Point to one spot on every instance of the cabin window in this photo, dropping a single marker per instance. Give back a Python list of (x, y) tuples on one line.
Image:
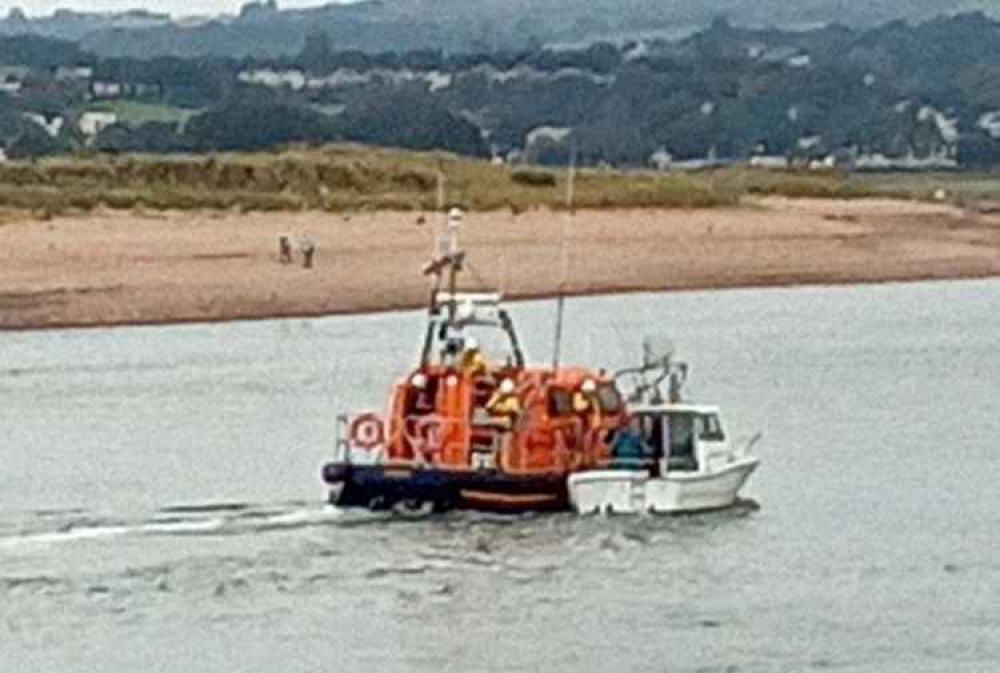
[(422, 401), (560, 402), (609, 398), (681, 428), (710, 429), (652, 433)]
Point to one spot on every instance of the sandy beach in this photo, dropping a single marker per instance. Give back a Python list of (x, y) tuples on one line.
[(116, 267)]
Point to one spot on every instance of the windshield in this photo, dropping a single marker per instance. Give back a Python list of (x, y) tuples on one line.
[(710, 428), (609, 398)]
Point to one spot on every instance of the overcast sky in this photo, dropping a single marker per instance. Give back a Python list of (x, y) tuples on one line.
[(176, 7)]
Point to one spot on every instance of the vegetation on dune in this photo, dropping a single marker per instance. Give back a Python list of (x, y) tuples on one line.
[(351, 177)]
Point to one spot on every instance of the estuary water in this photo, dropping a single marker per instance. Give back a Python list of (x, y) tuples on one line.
[(161, 510)]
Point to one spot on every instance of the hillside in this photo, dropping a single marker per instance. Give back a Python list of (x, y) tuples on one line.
[(262, 29), (898, 95)]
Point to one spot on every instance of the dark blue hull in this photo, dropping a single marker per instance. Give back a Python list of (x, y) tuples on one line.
[(382, 487)]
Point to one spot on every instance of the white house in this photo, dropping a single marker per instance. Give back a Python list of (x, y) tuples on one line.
[(941, 158), (75, 72), (106, 89), (661, 159), (809, 142), (11, 86), (275, 79), (437, 81), (799, 61), (92, 123), (768, 161), (51, 127), (556, 134), (990, 122)]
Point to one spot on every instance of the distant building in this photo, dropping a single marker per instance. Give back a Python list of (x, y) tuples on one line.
[(768, 161), (103, 89), (92, 123), (661, 159), (11, 86), (990, 122), (792, 57), (12, 78), (51, 127), (799, 61), (275, 79), (106, 89), (942, 158), (64, 73), (555, 134)]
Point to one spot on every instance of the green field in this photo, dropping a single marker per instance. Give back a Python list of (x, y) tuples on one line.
[(136, 113)]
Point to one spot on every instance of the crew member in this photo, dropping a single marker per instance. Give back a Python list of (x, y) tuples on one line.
[(423, 398), (627, 448), (505, 406), (473, 362), (451, 351), (586, 404)]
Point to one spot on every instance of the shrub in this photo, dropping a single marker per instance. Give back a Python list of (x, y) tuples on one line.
[(533, 178)]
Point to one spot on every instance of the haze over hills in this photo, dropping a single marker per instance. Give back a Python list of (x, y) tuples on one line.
[(263, 29)]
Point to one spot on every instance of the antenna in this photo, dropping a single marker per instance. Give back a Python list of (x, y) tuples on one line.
[(561, 299)]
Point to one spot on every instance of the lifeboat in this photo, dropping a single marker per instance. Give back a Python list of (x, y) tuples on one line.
[(468, 427), (487, 437)]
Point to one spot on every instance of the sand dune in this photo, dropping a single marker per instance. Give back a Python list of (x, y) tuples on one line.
[(124, 268)]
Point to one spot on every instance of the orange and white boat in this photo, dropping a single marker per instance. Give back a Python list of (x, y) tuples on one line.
[(460, 432)]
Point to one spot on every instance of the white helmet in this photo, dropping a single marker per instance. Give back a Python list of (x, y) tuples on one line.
[(507, 386), (588, 386), (419, 380), (471, 344)]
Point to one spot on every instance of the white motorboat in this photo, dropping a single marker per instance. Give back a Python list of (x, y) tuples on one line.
[(687, 461)]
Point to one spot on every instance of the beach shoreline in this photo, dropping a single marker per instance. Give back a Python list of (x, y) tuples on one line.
[(121, 268)]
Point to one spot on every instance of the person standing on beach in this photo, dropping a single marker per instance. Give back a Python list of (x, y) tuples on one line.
[(307, 247)]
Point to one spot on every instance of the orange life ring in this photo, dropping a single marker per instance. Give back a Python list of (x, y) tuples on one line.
[(367, 431)]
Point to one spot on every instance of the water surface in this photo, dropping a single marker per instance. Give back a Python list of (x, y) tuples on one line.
[(160, 507)]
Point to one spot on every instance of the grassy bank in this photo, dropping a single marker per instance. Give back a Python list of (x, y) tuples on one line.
[(346, 177), (331, 178)]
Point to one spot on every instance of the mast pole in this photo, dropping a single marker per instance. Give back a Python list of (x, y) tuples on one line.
[(561, 298)]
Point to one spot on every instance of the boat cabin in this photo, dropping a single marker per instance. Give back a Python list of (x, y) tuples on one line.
[(473, 404), (442, 417), (681, 437)]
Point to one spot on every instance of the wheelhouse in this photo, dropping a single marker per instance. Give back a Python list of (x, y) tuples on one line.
[(682, 437)]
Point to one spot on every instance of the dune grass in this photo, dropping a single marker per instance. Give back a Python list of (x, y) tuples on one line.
[(964, 188), (353, 177)]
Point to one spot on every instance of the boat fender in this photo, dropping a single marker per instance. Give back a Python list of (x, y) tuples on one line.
[(367, 431), (334, 473)]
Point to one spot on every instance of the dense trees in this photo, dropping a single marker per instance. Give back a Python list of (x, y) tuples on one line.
[(251, 121), (729, 92), (408, 117), (33, 51)]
